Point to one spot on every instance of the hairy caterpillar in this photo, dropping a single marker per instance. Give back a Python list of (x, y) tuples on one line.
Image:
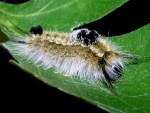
[(84, 53)]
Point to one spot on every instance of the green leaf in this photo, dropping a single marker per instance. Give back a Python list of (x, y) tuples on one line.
[(132, 88)]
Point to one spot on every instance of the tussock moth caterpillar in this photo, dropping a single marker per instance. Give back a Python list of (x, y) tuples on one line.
[(84, 53)]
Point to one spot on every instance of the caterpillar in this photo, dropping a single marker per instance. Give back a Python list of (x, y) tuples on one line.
[(83, 53)]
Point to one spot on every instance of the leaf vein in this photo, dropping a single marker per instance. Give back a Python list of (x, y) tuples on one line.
[(40, 11)]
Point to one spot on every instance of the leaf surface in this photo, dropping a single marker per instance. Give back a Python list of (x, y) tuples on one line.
[(132, 88)]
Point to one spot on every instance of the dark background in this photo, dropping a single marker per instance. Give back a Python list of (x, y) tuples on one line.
[(19, 90)]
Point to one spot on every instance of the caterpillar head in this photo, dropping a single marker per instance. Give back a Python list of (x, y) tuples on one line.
[(112, 66)]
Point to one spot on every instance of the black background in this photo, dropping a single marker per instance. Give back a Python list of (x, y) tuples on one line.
[(19, 90)]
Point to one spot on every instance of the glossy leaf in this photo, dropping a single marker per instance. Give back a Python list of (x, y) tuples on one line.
[(133, 87)]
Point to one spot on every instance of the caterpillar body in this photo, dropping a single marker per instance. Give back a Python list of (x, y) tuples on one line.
[(83, 53)]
